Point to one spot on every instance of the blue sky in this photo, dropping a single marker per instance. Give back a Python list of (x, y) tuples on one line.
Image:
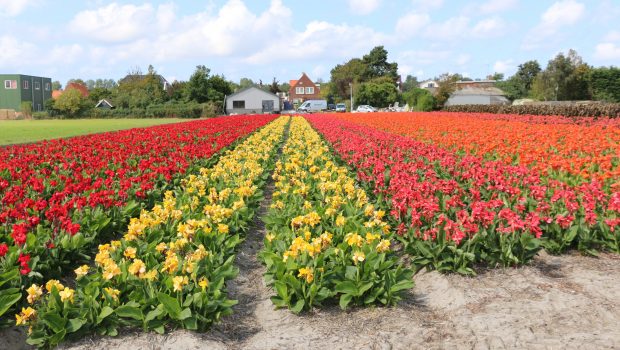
[(92, 39)]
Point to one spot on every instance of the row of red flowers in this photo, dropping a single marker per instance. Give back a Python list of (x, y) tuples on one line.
[(59, 198), (456, 209)]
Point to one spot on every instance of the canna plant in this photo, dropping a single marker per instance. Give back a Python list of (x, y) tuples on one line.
[(325, 240), (171, 266)]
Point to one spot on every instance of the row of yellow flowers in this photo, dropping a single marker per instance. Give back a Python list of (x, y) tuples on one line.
[(325, 238), (170, 267)]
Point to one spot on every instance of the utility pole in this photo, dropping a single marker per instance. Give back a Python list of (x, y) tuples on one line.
[(351, 87)]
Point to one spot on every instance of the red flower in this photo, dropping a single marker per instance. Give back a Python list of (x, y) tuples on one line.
[(19, 233), (23, 262), (3, 249)]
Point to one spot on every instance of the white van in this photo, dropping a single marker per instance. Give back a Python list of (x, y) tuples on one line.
[(313, 106)]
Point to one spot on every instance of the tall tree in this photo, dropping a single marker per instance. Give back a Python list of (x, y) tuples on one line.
[(378, 66), (342, 75), (379, 92), (564, 78), (274, 88), (198, 85), (605, 84), (410, 83)]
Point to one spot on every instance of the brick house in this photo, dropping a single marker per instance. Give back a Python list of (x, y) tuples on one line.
[(304, 89)]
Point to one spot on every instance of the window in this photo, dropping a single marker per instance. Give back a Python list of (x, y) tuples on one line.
[(239, 104), (47, 86), (310, 90), (37, 85), (10, 84), (431, 85), (39, 107), (26, 84), (299, 90)]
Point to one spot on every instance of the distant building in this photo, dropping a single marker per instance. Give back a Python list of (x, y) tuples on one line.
[(462, 84), (131, 77), (303, 89), (430, 85), (19, 88), (475, 95), (104, 104), (252, 100)]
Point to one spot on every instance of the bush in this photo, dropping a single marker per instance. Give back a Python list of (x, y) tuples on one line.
[(611, 110)]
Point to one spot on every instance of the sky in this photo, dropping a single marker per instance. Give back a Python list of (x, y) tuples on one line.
[(263, 39)]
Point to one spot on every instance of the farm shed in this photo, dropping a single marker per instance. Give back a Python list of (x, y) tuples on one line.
[(478, 96), (252, 100)]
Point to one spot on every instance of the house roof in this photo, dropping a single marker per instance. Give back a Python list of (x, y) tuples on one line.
[(486, 91), (292, 82), (102, 101), (249, 88)]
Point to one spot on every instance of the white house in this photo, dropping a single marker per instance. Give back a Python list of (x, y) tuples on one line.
[(428, 84), (252, 100)]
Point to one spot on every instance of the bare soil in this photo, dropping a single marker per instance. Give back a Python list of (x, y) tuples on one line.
[(565, 302)]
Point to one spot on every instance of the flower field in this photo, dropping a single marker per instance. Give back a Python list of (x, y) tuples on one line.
[(142, 228)]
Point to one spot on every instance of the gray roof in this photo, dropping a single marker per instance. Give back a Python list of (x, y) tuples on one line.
[(251, 87), (486, 91)]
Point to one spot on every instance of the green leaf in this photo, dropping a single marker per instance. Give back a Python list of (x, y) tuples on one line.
[(105, 312), (190, 323), (345, 299), (75, 324), (171, 305), (185, 314), (153, 314), (54, 321), (299, 305), (129, 312), (6, 301), (346, 287)]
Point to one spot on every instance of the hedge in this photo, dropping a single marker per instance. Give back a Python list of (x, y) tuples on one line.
[(611, 110)]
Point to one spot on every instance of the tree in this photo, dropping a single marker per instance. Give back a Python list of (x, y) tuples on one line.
[(446, 86), (56, 85), (378, 66), (198, 85), (410, 83), (419, 99), (70, 103), (219, 87), (342, 75), (564, 78), (520, 84), (496, 76), (605, 84), (78, 81), (138, 90), (246, 83), (379, 92), (177, 91), (285, 87), (274, 88)]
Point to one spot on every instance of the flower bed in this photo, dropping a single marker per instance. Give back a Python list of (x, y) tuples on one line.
[(325, 239), (170, 268)]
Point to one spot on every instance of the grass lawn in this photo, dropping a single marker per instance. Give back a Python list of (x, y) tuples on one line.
[(20, 131)]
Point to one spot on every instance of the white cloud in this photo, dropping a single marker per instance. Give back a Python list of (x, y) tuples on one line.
[(495, 6), (363, 7), (452, 28), (614, 35), (504, 67), (14, 52), (11, 8), (114, 23), (607, 52), (561, 14), (411, 24), (490, 27), (422, 57), (463, 59)]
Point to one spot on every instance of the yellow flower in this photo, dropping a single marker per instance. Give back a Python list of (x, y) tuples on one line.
[(358, 257), (371, 237), (170, 264), (130, 253), (353, 239), (111, 270), (178, 282), (161, 247), (340, 221), (203, 283), (81, 271), (26, 315), (383, 246), (53, 283), (222, 228), (151, 275), (34, 293), (270, 237), (113, 293), (137, 267), (67, 294), (306, 273)]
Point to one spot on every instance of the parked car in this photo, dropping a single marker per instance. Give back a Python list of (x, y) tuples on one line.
[(331, 107), (313, 106), (365, 109), (341, 108)]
